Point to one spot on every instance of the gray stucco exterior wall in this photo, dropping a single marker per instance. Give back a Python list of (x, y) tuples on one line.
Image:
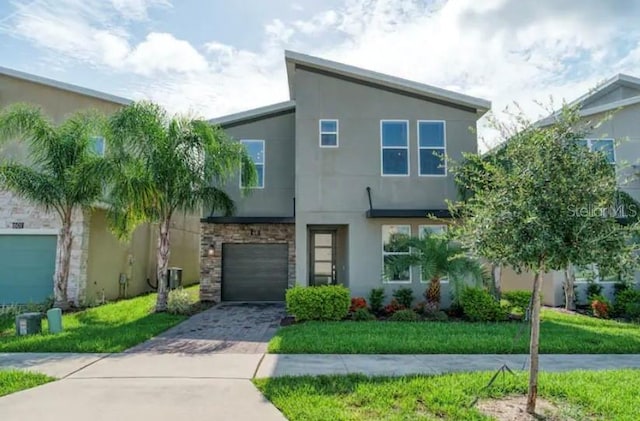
[(331, 182), (276, 198)]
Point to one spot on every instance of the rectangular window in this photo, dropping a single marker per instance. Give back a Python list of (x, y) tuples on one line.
[(606, 146), (391, 248), (98, 145), (394, 139), (436, 230), (255, 149), (432, 148), (328, 133), (592, 273)]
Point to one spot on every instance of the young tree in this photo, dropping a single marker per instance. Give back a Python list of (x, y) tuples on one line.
[(168, 165), (64, 175), (549, 206), (438, 258)]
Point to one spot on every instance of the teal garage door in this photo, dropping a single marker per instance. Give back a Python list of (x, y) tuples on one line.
[(27, 264)]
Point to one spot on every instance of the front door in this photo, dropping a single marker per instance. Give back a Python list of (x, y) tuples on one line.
[(322, 258)]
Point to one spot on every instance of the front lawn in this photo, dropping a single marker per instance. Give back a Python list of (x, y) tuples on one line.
[(13, 381), (112, 327), (579, 395), (561, 333)]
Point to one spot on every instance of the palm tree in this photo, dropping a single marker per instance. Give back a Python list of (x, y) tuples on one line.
[(169, 165), (65, 174), (439, 258)]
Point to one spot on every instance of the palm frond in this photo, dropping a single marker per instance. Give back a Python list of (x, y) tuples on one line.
[(36, 187)]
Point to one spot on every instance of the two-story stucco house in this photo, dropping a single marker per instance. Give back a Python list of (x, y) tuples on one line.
[(101, 265), (353, 158), (614, 110)]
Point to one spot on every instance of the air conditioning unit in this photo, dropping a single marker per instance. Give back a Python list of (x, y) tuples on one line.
[(174, 277)]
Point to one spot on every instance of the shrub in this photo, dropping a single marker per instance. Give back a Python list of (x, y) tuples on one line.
[(392, 307), (624, 298), (421, 308), (632, 311), (357, 303), (362, 315), (406, 315), (404, 297), (593, 289), (376, 298), (520, 299), (179, 301), (600, 306), (480, 306), (326, 302), (438, 316)]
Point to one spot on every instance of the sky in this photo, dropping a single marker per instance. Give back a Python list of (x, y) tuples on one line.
[(209, 58)]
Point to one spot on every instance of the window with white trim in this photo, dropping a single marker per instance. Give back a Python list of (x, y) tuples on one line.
[(328, 133), (392, 236), (434, 230), (98, 145), (432, 148), (394, 140), (256, 150), (606, 146)]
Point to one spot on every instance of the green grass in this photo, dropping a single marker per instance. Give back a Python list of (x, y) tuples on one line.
[(561, 333), (112, 327), (13, 381), (580, 395)]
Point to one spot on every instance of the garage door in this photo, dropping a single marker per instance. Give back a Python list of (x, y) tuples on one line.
[(27, 264), (254, 272)]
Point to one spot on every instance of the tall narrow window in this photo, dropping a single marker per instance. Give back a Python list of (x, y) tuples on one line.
[(256, 151), (393, 246), (394, 140), (605, 146), (432, 148), (328, 133), (98, 145)]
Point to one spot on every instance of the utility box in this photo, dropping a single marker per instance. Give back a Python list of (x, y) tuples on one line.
[(54, 317), (28, 324), (174, 277)]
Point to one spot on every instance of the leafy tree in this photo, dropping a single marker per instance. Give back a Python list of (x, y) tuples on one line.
[(544, 210), (169, 165), (64, 175), (438, 258)]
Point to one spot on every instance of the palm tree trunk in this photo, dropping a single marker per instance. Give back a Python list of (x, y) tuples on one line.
[(535, 339), (65, 241), (163, 263), (569, 282), (433, 295)]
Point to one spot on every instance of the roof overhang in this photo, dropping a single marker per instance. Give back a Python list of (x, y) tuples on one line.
[(249, 220), (408, 213), (297, 60), (255, 114), (64, 86)]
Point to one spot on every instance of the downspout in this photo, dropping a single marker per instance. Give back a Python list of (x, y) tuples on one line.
[(369, 195)]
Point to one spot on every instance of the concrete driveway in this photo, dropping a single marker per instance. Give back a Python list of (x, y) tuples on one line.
[(201, 369)]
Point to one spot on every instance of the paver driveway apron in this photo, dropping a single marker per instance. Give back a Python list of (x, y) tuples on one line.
[(227, 328)]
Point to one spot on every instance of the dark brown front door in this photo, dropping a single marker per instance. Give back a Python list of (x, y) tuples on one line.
[(322, 259)]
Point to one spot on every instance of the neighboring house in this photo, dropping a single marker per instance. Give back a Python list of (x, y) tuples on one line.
[(617, 136), (28, 235), (354, 158)]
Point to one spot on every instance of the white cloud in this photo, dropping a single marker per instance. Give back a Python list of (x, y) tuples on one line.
[(137, 9), (161, 52)]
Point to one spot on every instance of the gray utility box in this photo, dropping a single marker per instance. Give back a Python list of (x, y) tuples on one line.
[(28, 324), (174, 277)]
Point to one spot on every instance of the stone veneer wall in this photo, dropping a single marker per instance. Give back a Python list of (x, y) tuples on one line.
[(211, 266), (15, 209)]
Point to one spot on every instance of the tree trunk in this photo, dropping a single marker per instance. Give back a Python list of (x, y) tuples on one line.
[(64, 258), (163, 263), (535, 339), (569, 293), (496, 276), (433, 295)]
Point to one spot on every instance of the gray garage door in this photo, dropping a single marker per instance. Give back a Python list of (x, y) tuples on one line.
[(27, 263), (254, 272)]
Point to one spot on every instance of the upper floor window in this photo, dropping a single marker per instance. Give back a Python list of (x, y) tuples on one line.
[(606, 146), (393, 246), (98, 145), (328, 133), (432, 148), (256, 151), (394, 139)]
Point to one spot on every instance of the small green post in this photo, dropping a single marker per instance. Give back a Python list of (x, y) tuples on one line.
[(54, 316)]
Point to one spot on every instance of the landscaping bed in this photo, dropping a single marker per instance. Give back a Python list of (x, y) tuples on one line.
[(561, 333), (112, 327), (13, 380), (578, 395)]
